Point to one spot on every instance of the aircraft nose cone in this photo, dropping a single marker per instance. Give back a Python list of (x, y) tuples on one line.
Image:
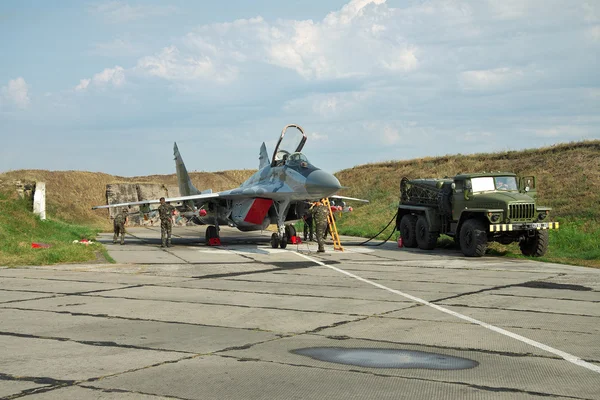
[(322, 184)]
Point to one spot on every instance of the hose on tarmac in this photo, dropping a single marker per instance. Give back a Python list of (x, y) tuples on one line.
[(380, 232)]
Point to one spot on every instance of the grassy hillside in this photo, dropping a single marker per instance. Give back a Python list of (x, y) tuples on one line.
[(70, 195), (19, 228), (568, 179)]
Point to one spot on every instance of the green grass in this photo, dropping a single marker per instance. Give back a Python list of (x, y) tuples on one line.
[(19, 228), (577, 242)]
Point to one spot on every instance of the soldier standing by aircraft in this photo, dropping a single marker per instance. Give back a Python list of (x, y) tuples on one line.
[(308, 226), (320, 212), (166, 222), (119, 226)]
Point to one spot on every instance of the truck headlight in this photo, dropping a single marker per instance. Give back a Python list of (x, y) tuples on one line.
[(542, 215), (494, 217)]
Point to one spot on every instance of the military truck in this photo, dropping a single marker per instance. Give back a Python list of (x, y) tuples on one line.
[(474, 209)]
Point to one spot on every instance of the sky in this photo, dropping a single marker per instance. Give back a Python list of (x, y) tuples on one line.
[(108, 86)]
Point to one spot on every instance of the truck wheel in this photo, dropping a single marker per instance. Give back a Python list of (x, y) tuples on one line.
[(536, 245), (473, 238), (425, 238), (408, 228)]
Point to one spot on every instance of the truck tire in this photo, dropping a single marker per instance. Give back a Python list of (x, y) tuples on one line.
[(426, 240), (535, 246), (408, 228), (473, 238)]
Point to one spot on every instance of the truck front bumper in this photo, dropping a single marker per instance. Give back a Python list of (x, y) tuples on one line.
[(523, 227)]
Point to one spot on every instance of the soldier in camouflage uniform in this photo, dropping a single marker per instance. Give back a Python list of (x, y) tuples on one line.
[(308, 225), (119, 226), (320, 212), (166, 223)]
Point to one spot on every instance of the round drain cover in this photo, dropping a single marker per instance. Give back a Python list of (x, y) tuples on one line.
[(386, 358)]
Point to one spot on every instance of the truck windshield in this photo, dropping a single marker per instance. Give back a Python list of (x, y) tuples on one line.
[(490, 183), (506, 183), (482, 184)]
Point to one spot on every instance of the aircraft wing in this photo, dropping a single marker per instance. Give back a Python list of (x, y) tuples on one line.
[(156, 201), (335, 196)]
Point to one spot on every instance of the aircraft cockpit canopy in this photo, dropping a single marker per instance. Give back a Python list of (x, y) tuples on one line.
[(297, 159), (290, 142)]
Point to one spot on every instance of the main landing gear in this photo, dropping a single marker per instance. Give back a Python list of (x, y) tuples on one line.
[(284, 234), (282, 241)]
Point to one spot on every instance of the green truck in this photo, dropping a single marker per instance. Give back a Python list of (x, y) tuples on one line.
[(474, 209)]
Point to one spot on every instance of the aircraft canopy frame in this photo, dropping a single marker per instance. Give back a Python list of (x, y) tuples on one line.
[(287, 145)]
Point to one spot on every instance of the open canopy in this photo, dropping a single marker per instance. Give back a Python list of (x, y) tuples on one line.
[(290, 142)]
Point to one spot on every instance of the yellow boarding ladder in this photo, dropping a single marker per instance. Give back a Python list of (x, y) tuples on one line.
[(337, 245)]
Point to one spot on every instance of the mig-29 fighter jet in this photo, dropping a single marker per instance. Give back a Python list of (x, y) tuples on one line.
[(280, 191)]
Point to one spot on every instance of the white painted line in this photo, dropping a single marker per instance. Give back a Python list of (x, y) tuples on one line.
[(568, 357)]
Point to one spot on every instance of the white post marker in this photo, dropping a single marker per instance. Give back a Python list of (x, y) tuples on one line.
[(39, 200), (566, 356)]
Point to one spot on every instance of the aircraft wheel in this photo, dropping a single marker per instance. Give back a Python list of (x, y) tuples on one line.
[(211, 233), (283, 242), (274, 240), (290, 231)]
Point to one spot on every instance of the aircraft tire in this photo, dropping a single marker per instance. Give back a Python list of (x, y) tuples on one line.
[(274, 240), (290, 231), (284, 242), (211, 233)]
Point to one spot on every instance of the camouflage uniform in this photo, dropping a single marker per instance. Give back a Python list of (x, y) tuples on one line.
[(320, 213), (308, 227), (166, 223), (119, 226)]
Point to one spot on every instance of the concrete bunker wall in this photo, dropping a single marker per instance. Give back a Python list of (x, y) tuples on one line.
[(130, 192)]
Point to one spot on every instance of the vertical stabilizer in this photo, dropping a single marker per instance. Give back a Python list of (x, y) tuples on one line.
[(186, 188), (263, 157)]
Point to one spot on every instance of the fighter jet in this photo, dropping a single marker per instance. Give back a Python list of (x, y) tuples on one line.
[(279, 192)]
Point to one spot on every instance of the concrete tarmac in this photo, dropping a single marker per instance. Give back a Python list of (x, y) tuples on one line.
[(200, 322)]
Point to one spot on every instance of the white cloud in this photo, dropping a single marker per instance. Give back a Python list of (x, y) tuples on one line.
[(317, 137), (390, 135), (120, 12), (114, 77), (489, 79), (350, 11), (357, 40), (403, 60), (17, 93), (170, 64), (83, 84)]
